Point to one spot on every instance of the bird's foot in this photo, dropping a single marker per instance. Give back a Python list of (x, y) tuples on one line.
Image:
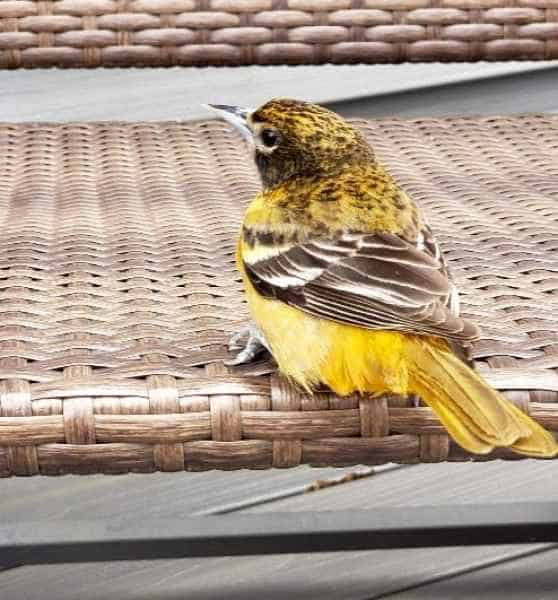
[(254, 344)]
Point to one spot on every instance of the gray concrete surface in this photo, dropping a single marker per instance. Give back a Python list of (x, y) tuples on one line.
[(160, 94)]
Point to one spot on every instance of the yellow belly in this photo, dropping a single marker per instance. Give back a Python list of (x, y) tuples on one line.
[(347, 359)]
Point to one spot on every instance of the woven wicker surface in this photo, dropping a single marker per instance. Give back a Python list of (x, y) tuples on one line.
[(92, 33), (118, 292)]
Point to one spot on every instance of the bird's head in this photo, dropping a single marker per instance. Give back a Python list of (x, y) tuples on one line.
[(295, 138)]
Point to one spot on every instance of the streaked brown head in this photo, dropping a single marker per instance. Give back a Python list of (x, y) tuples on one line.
[(296, 138)]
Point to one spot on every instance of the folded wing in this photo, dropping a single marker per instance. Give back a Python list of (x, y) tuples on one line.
[(376, 281)]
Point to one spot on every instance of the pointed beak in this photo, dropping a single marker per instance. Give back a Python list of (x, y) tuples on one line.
[(235, 115)]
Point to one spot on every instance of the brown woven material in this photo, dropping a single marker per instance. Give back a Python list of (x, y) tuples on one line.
[(118, 292), (93, 33)]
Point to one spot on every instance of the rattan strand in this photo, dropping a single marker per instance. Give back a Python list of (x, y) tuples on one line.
[(118, 292), (109, 33)]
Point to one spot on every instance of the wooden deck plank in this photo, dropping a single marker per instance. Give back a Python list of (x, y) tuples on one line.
[(335, 576), (533, 577), (155, 494), (437, 484)]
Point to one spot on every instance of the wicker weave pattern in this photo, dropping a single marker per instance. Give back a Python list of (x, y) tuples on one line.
[(118, 291), (92, 33)]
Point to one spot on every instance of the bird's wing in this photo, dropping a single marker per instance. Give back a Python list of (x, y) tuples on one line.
[(376, 281)]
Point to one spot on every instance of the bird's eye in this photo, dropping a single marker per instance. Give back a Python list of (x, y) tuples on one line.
[(269, 137)]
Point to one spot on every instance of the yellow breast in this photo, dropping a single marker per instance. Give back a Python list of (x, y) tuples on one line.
[(313, 351)]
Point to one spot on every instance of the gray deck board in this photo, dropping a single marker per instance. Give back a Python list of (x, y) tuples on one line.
[(333, 576), (155, 494), (533, 578), (161, 94)]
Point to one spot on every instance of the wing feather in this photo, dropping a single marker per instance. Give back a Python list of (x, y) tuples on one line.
[(376, 281)]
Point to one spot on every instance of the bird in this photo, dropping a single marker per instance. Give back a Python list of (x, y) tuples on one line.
[(347, 285)]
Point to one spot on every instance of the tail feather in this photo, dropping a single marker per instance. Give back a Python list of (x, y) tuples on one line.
[(540, 443), (476, 416)]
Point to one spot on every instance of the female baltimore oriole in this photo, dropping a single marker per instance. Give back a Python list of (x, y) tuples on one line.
[(347, 285)]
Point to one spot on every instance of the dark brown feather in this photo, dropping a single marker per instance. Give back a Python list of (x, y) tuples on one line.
[(376, 281)]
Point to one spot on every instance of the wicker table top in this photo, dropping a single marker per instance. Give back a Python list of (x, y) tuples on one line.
[(118, 292), (110, 33)]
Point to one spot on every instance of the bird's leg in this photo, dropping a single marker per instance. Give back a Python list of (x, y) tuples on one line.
[(255, 343), (235, 341)]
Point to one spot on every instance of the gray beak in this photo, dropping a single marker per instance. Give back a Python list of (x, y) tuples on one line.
[(235, 115)]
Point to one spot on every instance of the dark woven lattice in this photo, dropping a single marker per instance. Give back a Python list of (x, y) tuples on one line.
[(118, 291), (93, 33)]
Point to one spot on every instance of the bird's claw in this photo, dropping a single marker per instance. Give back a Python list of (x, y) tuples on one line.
[(235, 342), (254, 344)]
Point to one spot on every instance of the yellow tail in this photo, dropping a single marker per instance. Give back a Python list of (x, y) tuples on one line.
[(476, 416)]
